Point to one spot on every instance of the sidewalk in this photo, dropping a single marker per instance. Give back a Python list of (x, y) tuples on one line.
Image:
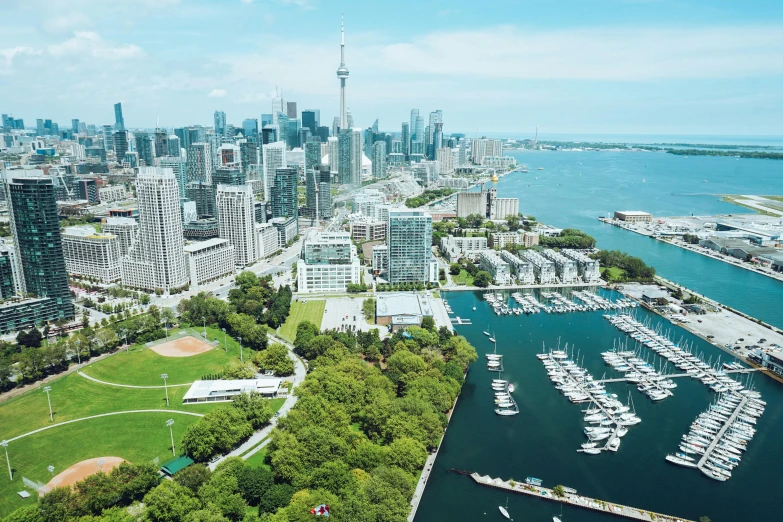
[(299, 374)]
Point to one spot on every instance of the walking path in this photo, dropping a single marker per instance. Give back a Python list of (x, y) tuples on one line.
[(130, 385), (259, 436), (102, 415)]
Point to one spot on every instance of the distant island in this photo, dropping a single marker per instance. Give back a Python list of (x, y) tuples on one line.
[(740, 151)]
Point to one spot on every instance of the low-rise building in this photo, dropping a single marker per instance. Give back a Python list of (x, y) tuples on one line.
[(589, 269), (18, 314), (565, 268), (522, 270), (92, 254), (329, 263), (633, 216), (454, 248), (227, 390), (490, 261), (367, 229), (543, 268), (209, 260), (200, 229), (112, 193), (501, 239), (399, 310), (287, 229), (267, 240)]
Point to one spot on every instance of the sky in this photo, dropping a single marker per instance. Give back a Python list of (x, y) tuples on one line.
[(663, 67)]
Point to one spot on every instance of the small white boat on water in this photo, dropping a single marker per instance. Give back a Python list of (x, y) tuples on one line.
[(504, 510)]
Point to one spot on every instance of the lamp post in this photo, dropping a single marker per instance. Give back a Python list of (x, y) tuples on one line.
[(125, 335), (165, 376), (169, 423), (166, 327), (78, 355), (225, 344), (204, 320), (47, 389), (4, 444), (241, 359)]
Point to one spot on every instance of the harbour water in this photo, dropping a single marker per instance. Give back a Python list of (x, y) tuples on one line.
[(572, 191), (542, 440)]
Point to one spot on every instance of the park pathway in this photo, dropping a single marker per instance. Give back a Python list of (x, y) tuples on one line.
[(130, 385), (102, 415), (261, 436)]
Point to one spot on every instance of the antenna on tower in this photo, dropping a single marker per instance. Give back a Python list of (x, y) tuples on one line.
[(157, 123)]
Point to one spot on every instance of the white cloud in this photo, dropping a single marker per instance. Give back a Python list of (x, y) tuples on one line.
[(89, 43), (66, 23), (615, 54), (217, 93)]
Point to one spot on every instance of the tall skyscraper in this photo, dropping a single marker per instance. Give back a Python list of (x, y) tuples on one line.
[(318, 185), (236, 216), (342, 74), (161, 140), (144, 148), (250, 129), (406, 139), (311, 118), (36, 231), (75, 125), (120, 144), (177, 165), (356, 157), (40, 130), (409, 246), (199, 163), (334, 155), (284, 200), (312, 154), (290, 110), (119, 121), (279, 106), (274, 158), (157, 260), (220, 123), (414, 119), (379, 159), (108, 138), (344, 157)]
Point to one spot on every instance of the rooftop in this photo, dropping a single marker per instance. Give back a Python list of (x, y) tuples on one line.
[(205, 389), (402, 303), (203, 245)]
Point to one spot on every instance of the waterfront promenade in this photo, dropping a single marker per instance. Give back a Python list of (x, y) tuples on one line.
[(573, 499)]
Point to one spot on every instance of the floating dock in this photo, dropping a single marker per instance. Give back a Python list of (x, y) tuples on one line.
[(573, 499)]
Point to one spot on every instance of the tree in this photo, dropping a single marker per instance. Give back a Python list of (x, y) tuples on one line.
[(170, 502), (368, 307), (559, 491), (275, 358), (474, 220), (407, 454), (482, 279), (305, 332), (276, 497), (59, 504), (193, 477), (455, 268), (253, 483), (428, 323), (221, 493), (256, 410), (30, 339)]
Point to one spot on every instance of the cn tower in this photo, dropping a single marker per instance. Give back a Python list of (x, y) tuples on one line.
[(342, 73)]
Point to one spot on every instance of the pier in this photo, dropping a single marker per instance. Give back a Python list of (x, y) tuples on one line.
[(573, 499), (722, 432), (676, 375)]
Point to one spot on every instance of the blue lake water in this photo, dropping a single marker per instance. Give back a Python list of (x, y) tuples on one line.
[(573, 190)]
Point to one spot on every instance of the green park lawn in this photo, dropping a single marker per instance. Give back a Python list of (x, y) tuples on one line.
[(615, 274), (143, 367), (257, 459), (312, 311), (463, 278), (135, 437)]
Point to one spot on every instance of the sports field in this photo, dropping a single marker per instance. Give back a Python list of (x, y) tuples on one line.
[(136, 437), (312, 311)]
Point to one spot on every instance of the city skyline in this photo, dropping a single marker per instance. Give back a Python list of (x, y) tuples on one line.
[(713, 71)]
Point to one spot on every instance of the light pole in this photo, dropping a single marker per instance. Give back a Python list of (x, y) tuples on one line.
[(225, 344), (4, 444), (166, 327), (47, 389), (204, 319), (170, 423), (78, 355), (125, 335), (241, 359), (165, 376)]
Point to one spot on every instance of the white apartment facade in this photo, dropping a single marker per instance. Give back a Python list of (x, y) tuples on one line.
[(267, 240), (209, 260), (236, 218), (126, 230), (329, 262), (274, 158), (112, 193), (89, 253)]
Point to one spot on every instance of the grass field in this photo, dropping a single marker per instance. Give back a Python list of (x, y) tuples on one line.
[(615, 274), (137, 438), (257, 460), (312, 311), (142, 367), (463, 278)]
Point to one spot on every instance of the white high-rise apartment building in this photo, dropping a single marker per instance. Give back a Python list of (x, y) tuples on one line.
[(236, 216), (274, 158), (157, 260), (112, 193), (446, 159), (126, 230), (90, 253), (334, 154)]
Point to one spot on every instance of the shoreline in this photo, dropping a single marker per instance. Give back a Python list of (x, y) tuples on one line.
[(696, 250)]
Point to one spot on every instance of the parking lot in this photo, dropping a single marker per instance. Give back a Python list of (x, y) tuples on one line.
[(343, 313)]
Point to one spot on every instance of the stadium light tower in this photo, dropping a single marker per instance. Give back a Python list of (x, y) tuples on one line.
[(4, 444), (225, 344), (47, 389), (165, 376), (241, 358), (170, 423)]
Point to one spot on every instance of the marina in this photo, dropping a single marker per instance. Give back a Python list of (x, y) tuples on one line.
[(558, 303)]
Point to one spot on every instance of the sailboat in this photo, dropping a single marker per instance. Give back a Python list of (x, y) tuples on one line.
[(559, 519), (486, 332), (504, 510)]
